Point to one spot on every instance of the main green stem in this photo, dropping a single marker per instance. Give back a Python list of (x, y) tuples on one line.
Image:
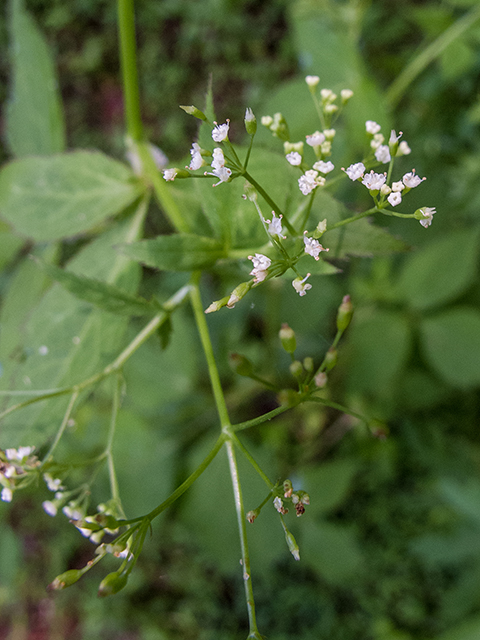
[(128, 58)]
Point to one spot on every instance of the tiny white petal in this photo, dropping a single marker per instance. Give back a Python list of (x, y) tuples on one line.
[(372, 127), (324, 167), (220, 132), (355, 171), (394, 198), (294, 158)]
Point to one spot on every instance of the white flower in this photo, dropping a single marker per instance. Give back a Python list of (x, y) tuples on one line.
[(170, 174), (372, 127), (197, 160), (50, 507), (260, 266), (374, 181), (266, 121), (355, 171), (309, 181), (398, 186), (278, 504), (327, 95), (294, 158), (220, 132), (218, 166), (330, 108), (382, 154), (54, 484), (299, 285), (315, 139), (403, 149), (312, 246), (223, 174), (411, 180), (377, 141), (275, 226), (218, 159), (19, 454), (72, 512), (320, 379), (329, 133), (346, 94), (312, 81), (427, 212), (324, 167), (385, 190), (7, 494), (394, 198)]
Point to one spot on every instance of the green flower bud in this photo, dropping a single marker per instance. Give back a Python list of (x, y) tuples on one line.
[(287, 337), (296, 369), (112, 584), (66, 579), (292, 545), (288, 397), (308, 364), (218, 304), (345, 313), (331, 358), (250, 122), (193, 111), (241, 364), (238, 293)]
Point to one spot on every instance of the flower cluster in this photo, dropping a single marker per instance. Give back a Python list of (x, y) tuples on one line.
[(17, 468), (299, 499)]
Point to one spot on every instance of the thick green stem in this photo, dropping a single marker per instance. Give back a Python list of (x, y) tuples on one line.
[(128, 58), (242, 527)]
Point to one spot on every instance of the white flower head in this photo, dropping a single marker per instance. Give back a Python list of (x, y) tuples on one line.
[(220, 132), (395, 198), (316, 139), (54, 484), (398, 186), (372, 127), (275, 226), (218, 158), (327, 95), (197, 160), (330, 108), (355, 171), (170, 174), (223, 174), (382, 154), (309, 181), (411, 180), (377, 140), (301, 286), (427, 213), (278, 504), (312, 81), (220, 171), (50, 507), (7, 494), (374, 181), (346, 94), (329, 134), (260, 266), (385, 190), (313, 246), (324, 167), (294, 158)]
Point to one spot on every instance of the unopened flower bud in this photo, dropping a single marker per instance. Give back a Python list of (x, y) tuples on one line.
[(241, 364), (345, 313), (296, 369), (193, 111), (345, 95), (287, 488), (308, 364), (312, 81), (321, 379), (331, 358), (289, 397), (218, 304), (111, 584), (238, 293), (287, 337), (266, 121), (250, 122), (292, 545), (66, 579), (252, 515)]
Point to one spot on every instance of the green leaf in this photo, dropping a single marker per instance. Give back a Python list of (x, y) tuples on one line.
[(10, 244), (65, 341), (101, 294), (178, 252), (442, 271), (60, 196), (451, 345), (328, 484), (469, 630), (34, 118)]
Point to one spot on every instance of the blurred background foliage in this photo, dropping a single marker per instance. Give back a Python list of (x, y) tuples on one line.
[(391, 544)]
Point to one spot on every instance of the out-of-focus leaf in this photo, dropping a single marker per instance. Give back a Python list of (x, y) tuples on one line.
[(9, 247), (469, 630), (451, 345), (66, 340), (101, 294), (442, 271), (328, 484), (178, 252), (35, 124), (62, 195)]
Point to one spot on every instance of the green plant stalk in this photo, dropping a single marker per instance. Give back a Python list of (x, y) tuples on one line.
[(260, 420), (242, 527), (341, 223), (398, 87), (118, 363), (108, 450), (65, 420), (269, 201), (128, 60), (252, 460), (339, 407)]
